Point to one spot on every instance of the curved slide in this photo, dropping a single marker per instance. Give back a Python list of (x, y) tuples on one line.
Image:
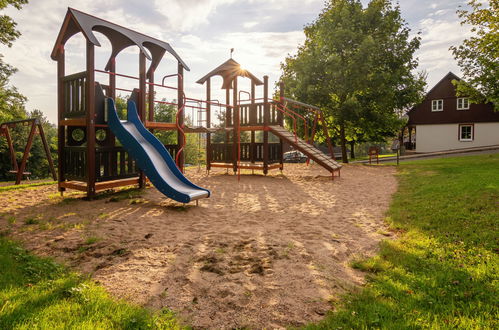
[(152, 156)]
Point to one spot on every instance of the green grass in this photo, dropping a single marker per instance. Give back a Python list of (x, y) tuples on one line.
[(24, 186), (367, 157), (36, 293), (442, 272)]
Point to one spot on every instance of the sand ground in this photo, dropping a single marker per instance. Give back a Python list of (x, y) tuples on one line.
[(262, 252)]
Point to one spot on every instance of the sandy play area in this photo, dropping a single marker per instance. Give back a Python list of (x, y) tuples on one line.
[(264, 252)]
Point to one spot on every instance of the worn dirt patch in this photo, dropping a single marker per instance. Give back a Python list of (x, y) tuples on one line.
[(262, 252)]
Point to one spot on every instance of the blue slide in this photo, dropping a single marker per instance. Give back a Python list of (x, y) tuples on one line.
[(152, 156)]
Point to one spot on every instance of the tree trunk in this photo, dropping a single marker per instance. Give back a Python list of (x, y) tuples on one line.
[(352, 149), (343, 141)]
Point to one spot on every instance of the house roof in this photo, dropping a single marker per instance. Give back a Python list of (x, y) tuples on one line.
[(229, 70), (120, 37), (448, 75)]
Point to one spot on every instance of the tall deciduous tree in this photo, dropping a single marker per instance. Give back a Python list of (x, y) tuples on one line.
[(357, 65), (478, 56)]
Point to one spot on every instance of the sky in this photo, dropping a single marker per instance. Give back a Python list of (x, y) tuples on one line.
[(202, 32)]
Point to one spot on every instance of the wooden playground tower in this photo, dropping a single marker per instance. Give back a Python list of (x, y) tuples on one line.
[(90, 160)]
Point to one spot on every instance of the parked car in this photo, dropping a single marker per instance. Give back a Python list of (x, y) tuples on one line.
[(294, 156)]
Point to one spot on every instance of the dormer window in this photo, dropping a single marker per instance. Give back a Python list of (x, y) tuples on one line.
[(437, 105), (463, 103)]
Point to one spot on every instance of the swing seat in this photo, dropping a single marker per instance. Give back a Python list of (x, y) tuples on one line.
[(15, 172)]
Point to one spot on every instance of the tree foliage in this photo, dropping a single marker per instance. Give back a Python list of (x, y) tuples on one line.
[(357, 65), (8, 32), (478, 56)]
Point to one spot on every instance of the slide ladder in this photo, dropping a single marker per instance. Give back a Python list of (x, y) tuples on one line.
[(308, 149)]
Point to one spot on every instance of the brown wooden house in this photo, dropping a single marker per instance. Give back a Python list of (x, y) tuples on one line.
[(444, 121)]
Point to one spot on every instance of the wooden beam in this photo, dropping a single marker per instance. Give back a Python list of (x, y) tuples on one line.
[(90, 106), (47, 151), (208, 123), (266, 119), (180, 101), (61, 130), (12, 153), (73, 122), (160, 125), (237, 134), (22, 167)]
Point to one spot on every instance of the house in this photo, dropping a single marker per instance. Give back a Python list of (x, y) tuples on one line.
[(444, 121)]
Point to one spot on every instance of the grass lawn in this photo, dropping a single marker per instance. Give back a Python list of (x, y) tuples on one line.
[(24, 186), (442, 271), (367, 157), (36, 293)]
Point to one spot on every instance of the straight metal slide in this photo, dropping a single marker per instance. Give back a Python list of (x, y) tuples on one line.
[(151, 156)]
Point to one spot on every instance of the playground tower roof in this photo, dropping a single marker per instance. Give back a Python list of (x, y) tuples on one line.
[(120, 38), (228, 71)]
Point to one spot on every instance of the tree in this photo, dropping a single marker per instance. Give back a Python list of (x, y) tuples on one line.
[(478, 56), (8, 32), (357, 65)]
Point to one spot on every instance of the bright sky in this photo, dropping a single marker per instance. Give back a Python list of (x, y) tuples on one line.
[(202, 32)]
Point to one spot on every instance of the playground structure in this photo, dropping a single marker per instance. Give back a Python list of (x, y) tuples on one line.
[(19, 170), (90, 160)]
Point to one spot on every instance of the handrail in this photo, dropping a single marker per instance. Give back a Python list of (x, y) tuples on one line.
[(286, 111), (116, 74)]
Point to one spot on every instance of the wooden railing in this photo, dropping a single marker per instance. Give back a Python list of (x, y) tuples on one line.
[(75, 163), (222, 152), (74, 95), (111, 163), (253, 115)]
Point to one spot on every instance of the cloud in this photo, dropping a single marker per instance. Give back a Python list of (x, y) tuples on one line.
[(183, 15), (202, 32)]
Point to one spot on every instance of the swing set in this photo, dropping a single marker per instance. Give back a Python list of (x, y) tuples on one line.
[(19, 170)]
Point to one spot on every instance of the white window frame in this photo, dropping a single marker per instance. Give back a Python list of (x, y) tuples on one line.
[(462, 107), (461, 131), (437, 102)]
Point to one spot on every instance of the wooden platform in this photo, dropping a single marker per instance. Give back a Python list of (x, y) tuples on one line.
[(82, 186), (247, 166)]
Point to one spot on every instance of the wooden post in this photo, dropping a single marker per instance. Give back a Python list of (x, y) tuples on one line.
[(280, 115), (61, 130), (208, 124), (47, 151), (11, 149), (141, 106), (236, 137), (150, 99), (180, 98), (253, 122), (112, 79), (90, 119), (228, 109), (280, 120), (266, 119), (112, 94), (22, 167)]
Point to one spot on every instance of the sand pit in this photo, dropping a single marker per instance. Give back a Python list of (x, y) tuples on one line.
[(264, 252)]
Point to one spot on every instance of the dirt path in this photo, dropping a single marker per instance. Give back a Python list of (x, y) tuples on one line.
[(263, 252)]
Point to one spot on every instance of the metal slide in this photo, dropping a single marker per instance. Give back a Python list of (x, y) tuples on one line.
[(152, 156)]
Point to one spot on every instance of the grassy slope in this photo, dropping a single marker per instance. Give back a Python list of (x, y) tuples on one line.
[(36, 293), (442, 272)]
